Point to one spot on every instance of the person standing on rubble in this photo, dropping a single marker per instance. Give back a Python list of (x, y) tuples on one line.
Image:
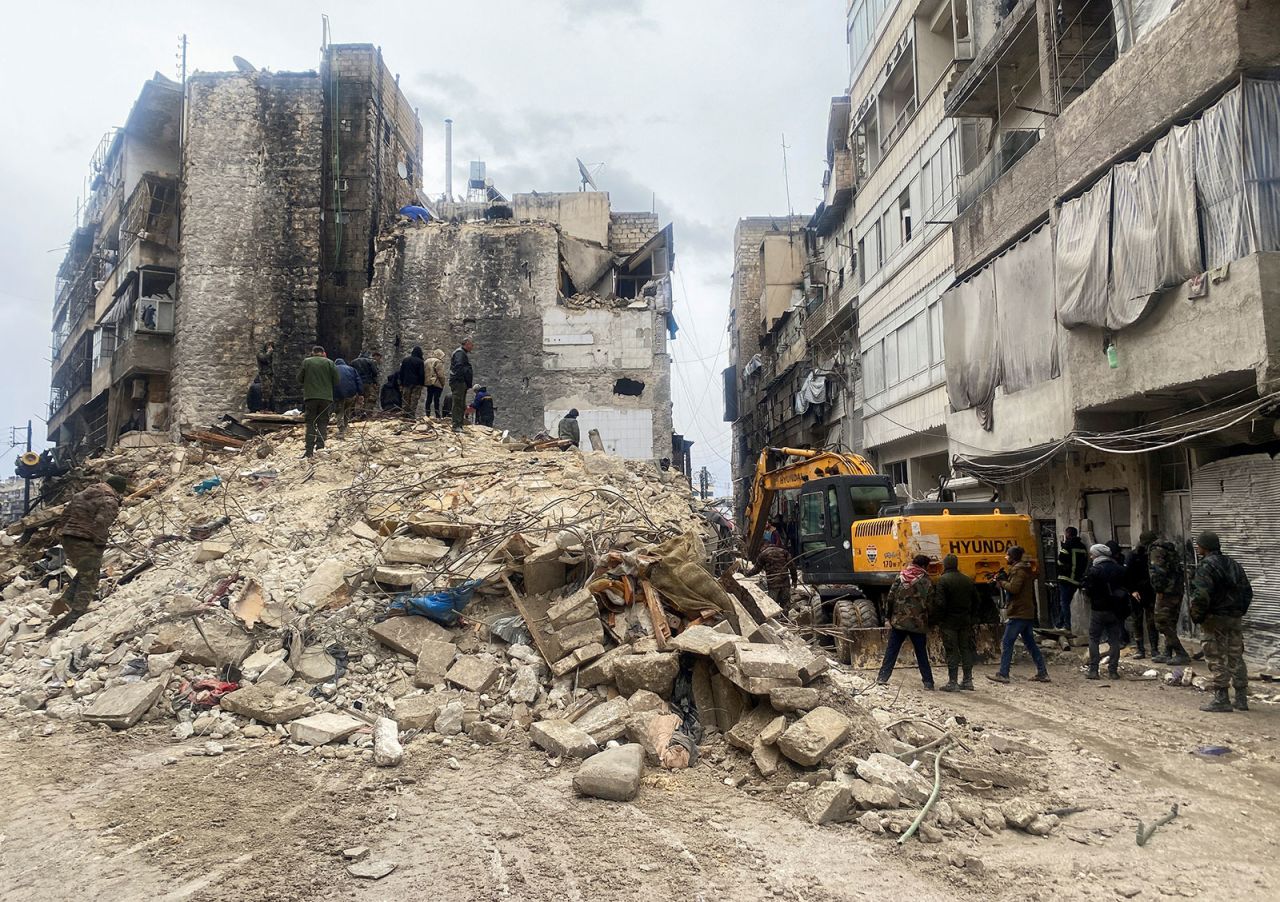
[(344, 395), (483, 404), (436, 378), (390, 398), (1073, 560), (266, 375), (779, 572), (413, 376), (568, 428), (1220, 597), (1104, 585), (369, 366), (957, 604), (319, 380), (461, 378), (1167, 576), (909, 602), (86, 523), (1137, 577), (1020, 584)]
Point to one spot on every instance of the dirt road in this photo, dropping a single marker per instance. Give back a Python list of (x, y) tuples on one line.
[(100, 816)]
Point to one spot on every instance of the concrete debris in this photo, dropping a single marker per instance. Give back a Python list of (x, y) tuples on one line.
[(371, 870), (123, 706), (473, 673), (418, 712), (812, 737), (407, 634), (871, 796), (434, 659), (267, 704), (614, 774), (829, 803), (315, 665), (321, 729), (655, 672), (793, 698), (885, 770), (387, 751), (449, 718), (605, 721), (562, 739)]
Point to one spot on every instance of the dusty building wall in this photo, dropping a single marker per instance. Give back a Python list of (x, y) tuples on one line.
[(582, 214), (782, 258), (249, 254)]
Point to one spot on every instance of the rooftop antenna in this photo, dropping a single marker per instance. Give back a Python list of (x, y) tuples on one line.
[(786, 180), (587, 179)]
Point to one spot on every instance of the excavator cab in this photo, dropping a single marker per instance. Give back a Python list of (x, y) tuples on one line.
[(826, 510)]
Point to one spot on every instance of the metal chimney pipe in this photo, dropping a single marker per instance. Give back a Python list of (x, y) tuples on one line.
[(448, 158)]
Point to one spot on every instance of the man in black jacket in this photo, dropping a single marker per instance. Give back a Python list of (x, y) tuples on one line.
[(1137, 578), (413, 376), (1104, 586), (1073, 560), (461, 378), (369, 368)]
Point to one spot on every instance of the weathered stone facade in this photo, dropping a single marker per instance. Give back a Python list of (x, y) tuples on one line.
[(249, 254)]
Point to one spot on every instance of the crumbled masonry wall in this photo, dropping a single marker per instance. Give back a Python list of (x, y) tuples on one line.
[(629, 231), (497, 282), (250, 236)]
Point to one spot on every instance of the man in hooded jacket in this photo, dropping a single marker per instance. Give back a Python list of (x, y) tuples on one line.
[(909, 602), (413, 376)]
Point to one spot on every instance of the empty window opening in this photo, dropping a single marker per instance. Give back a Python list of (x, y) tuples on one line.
[(625, 386)]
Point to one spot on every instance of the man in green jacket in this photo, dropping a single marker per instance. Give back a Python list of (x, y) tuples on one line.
[(909, 602), (318, 377), (957, 602), (1220, 597)]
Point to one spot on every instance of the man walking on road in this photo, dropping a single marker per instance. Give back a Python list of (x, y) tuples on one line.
[(86, 523), (1020, 583), (413, 375), (909, 602), (461, 378), (1104, 584), (1167, 575), (319, 378), (1220, 597), (1073, 560), (957, 602)]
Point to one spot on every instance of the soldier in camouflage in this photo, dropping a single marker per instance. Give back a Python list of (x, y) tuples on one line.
[(909, 602), (85, 525), (957, 598), (1220, 596), (1166, 570)]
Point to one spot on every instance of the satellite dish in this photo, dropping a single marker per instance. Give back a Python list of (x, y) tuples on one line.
[(243, 64), (402, 169), (587, 180)]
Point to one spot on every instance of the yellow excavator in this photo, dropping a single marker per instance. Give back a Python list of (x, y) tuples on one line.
[(853, 536)]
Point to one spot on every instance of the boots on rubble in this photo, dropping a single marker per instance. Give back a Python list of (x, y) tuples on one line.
[(950, 685), (62, 622), (967, 683), (1242, 700), (1221, 703), (1160, 659), (1179, 658), (1092, 674)]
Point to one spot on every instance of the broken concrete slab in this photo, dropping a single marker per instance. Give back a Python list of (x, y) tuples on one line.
[(321, 729), (614, 774), (421, 552), (212, 551), (579, 606), (812, 737), (766, 758), (315, 665), (406, 634), (607, 720), (362, 530), (562, 739), (745, 732), (417, 712), (758, 602), (209, 640), (793, 698), (655, 672), (579, 635), (829, 803), (768, 661), (872, 796), (473, 673), (577, 658), (696, 640), (885, 770), (434, 658), (266, 704), (120, 707), (600, 671), (398, 576), (326, 582), (754, 685)]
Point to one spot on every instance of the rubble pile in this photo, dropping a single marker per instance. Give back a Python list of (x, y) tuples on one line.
[(409, 585)]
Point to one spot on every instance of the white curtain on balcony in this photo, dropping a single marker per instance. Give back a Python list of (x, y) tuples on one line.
[(1262, 160), (1155, 237), (1135, 18), (1025, 313), (1083, 246), (970, 340), (1220, 182)]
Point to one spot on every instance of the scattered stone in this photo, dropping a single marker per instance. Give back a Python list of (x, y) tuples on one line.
[(266, 704), (473, 673), (401, 577), (406, 634), (211, 551), (870, 796), (414, 551), (809, 739), (123, 706), (600, 671), (418, 712), (744, 733), (434, 657), (577, 658), (215, 643), (655, 672), (829, 803), (579, 606), (1042, 824), (766, 758), (1006, 746), (449, 720), (160, 665), (614, 774), (387, 751), (370, 870), (885, 770), (254, 731), (870, 821), (543, 570), (276, 674), (356, 853), (1019, 813), (767, 661), (928, 833), (773, 731), (652, 731), (321, 729), (797, 787), (485, 732), (526, 688), (213, 749), (605, 721), (562, 739), (793, 698), (644, 700), (315, 665), (696, 640)]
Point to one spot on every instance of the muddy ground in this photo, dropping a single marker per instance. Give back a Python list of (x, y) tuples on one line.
[(93, 815)]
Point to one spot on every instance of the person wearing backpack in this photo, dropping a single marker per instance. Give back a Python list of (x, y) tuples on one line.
[(1220, 597), (1104, 585), (1164, 563)]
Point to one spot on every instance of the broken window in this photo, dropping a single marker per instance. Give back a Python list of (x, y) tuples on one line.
[(625, 386)]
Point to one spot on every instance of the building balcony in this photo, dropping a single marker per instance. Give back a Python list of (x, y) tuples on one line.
[(984, 89), (833, 312), (150, 214)]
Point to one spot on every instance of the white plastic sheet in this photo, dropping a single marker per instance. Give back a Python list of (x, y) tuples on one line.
[(1028, 342), (1082, 247), (1220, 182), (1262, 161), (1134, 19), (970, 340), (812, 391)]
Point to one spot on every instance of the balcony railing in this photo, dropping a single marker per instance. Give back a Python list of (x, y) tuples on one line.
[(1012, 147), (149, 212), (831, 307), (899, 126)]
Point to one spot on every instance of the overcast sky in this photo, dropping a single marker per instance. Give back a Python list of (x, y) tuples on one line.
[(685, 102)]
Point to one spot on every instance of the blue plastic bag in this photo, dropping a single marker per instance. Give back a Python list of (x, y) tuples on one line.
[(442, 607), (208, 485)]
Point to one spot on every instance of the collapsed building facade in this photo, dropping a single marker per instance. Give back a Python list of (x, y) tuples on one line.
[(569, 305), (236, 209)]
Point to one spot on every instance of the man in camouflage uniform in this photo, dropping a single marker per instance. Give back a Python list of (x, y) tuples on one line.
[(909, 602), (779, 572), (1220, 596), (1166, 570), (957, 600), (86, 522)]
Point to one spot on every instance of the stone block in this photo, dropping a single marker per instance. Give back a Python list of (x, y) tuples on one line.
[(579, 606), (829, 803), (543, 571), (212, 551), (562, 739), (644, 700), (600, 671), (421, 552), (434, 658), (808, 663), (793, 698), (812, 737), (398, 576), (579, 635), (655, 672), (315, 665), (607, 720), (418, 712), (449, 720), (321, 729), (885, 770), (217, 642), (276, 674), (614, 774), (362, 530), (729, 702), (473, 673), (726, 648), (266, 704), (754, 685), (160, 665), (745, 732), (325, 582), (577, 658), (768, 661), (872, 796), (696, 640), (773, 731), (387, 751), (120, 707), (260, 660), (406, 634), (759, 603), (767, 758)]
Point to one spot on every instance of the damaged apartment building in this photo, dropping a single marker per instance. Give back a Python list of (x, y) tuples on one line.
[(235, 209), (569, 304)]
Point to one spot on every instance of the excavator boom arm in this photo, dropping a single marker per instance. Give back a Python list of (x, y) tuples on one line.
[(812, 465)]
